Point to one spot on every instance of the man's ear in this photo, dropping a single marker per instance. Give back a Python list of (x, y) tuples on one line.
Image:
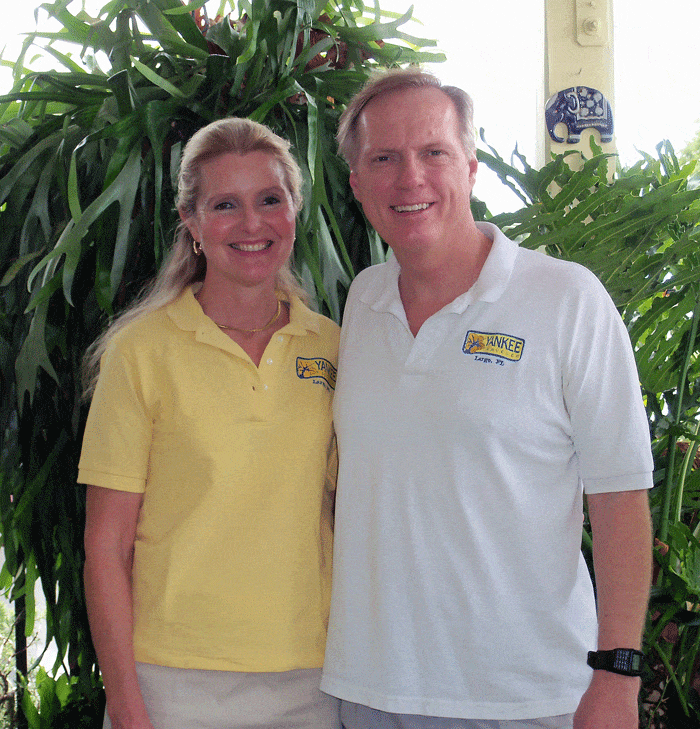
[(355, 185), (473, 166)]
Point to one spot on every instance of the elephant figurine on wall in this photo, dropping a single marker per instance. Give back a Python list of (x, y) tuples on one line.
[(580, 108)]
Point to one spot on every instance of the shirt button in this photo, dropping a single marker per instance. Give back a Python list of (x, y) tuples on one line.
[(280, 338), (264, 387), (269, 361)]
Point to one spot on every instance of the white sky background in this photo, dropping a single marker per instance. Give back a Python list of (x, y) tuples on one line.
[(495, 52)]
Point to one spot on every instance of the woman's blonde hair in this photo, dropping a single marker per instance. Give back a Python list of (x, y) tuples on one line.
[(182, 267)]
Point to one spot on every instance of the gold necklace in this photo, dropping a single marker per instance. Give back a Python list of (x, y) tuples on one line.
[(260, 329)]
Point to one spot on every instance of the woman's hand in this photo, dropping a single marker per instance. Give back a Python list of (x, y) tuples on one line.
[(123, 723)]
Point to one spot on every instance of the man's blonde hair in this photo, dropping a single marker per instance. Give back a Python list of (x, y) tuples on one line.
[(386, 81)]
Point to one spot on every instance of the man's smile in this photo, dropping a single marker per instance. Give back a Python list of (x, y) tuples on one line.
[(411, 208)]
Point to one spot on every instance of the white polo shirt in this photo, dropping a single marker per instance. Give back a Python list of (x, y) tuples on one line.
[(459, 587)]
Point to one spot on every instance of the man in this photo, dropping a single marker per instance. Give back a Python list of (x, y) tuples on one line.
[(482, 389)]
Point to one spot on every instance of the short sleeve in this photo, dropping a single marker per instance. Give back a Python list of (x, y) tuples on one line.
[(119, 427), (603, 397)]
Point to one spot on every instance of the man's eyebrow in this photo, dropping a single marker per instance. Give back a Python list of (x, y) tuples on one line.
[(380, 150)]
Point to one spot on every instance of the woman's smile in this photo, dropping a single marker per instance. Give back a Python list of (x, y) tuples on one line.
[(245, 220)]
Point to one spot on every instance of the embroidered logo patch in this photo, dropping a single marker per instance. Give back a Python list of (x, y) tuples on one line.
[(317, 369), (494, 344)]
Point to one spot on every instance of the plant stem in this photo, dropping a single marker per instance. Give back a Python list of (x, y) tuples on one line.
[(673, 435), (687, 460), (21, 658), (672, 675)]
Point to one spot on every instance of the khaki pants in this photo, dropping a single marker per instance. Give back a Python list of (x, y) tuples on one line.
[(194, 699), (356, 716)]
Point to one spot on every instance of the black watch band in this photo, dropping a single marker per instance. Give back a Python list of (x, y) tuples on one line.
[(625, 661)]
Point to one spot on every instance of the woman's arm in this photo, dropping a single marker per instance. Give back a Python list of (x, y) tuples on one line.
[(110, 530)]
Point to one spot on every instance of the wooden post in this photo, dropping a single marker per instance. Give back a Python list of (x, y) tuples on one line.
[(578, 55)]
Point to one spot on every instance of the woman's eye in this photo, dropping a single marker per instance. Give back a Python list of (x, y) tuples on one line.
[(271, 200), (226, 205)]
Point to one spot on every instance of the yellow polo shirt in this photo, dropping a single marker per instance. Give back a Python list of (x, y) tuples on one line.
[(232, 558)]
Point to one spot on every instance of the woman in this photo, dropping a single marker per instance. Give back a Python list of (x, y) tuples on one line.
[(206, 449)]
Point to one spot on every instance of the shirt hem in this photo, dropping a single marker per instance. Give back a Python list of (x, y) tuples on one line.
[(447, 708), (111, 481), (242, 665), (617, 484)]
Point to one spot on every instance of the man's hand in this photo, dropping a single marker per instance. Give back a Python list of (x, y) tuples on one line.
[(609, 703)]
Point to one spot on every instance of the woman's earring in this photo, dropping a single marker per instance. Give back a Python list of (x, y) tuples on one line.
[(196, 247)]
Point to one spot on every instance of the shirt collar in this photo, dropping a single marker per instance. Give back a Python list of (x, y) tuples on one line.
[(489, 287), (187, 314), (301, 319)]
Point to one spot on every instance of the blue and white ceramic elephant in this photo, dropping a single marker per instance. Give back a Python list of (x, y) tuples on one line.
[(580, 108)]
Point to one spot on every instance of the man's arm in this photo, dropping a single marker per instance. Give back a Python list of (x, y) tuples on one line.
[(622, 539)]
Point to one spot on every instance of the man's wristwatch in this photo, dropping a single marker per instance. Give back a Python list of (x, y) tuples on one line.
[(625, 661)]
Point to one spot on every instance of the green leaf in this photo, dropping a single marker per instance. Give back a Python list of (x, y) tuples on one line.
[(683, 560), (332, 269), (73, 195), (30, 711), (65, 60), (122, 191), (16, 132), (157, 116), (17, 266), (185, 9), (33, 353), (96, 35), (251, 31), (170, 32), (29, 600), (124, 92), (11, 179), (154, 78), (128, 182)]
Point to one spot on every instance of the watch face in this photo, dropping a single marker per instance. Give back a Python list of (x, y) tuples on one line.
[(627, 660)]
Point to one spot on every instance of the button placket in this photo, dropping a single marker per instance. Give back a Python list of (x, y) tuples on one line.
[(428, 340)]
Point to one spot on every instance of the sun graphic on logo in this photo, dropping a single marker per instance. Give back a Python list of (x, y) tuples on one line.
[(474, 341)]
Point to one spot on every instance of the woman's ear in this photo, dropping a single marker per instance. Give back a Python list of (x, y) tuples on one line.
[(191, 223)]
